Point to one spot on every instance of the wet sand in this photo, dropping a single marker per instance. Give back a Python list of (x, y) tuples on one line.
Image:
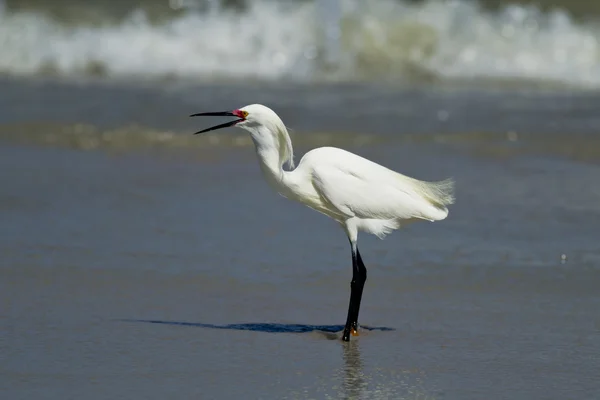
[(172, 275)]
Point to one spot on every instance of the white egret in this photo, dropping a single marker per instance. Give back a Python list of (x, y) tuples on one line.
[(357, 193)]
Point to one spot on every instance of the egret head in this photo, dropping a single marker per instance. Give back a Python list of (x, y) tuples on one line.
[(248, 117), (264, 126)]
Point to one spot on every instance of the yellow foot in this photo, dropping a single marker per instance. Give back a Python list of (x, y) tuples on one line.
[(354, 332)]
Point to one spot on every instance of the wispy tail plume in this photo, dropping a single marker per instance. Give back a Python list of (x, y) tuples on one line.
[(440, 193)]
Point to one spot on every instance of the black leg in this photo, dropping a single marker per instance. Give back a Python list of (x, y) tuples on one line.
[(359, 277)]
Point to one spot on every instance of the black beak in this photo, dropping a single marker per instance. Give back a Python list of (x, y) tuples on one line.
[(218, 114)]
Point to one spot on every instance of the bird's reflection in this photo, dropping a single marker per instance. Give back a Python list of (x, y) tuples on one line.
[(358, 383), (354, 379)]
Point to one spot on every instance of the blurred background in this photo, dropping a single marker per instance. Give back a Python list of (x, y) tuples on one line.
[(137, 259), (546, 41)]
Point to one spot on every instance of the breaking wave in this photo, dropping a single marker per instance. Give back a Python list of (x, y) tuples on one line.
[(312, 41)]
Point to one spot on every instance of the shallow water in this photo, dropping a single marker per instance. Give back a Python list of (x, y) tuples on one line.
[(137, 267)]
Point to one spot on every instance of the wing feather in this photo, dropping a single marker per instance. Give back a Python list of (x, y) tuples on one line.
[(375, 193)]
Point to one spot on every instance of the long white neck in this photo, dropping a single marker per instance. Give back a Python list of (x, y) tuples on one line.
[(269, 150)]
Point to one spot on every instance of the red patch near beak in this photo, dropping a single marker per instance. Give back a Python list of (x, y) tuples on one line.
[(239, 114)]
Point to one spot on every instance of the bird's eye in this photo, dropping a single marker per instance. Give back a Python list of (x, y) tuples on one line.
[(245, 113)]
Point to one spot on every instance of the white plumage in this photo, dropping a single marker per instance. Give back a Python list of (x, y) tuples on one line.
[(373, 198), (357, 193)]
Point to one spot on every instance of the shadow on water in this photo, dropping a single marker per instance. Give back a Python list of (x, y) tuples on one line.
[(355, 383), (352, 376), (262, 327)]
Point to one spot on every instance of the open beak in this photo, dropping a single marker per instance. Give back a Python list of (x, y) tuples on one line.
[(235, 113)]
